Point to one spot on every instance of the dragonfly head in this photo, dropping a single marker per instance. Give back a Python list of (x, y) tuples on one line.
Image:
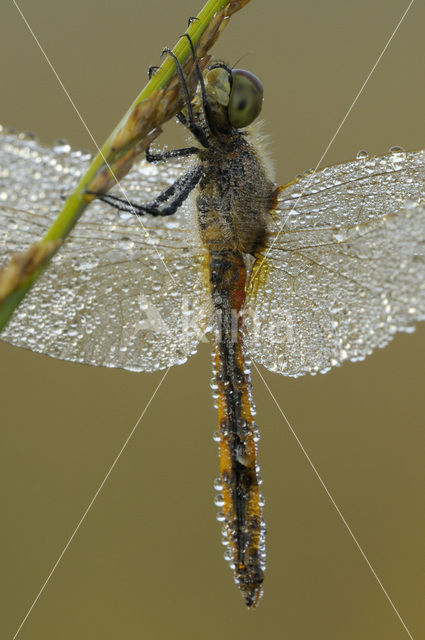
[(234, 96)]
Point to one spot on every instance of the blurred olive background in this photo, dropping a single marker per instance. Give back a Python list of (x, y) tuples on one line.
[(147, 562)]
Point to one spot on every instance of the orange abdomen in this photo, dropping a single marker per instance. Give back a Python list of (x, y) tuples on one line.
[(239, 498)]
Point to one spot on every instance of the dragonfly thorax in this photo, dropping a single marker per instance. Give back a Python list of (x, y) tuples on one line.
[(235, 194)]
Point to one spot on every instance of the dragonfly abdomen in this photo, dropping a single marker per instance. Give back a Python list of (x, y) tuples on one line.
[(243, 525)]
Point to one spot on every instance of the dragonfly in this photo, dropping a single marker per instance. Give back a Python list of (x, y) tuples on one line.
[(298, 278)]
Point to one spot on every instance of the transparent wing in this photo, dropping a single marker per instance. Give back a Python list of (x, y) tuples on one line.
[(347, 269), (117, 294)]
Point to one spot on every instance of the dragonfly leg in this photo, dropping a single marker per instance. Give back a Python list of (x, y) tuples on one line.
[(152, 70), (207, 111), (192, 125), (165, 204), (181, 118), (175, 153)]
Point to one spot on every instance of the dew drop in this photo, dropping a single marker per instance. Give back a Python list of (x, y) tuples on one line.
[(362, 154), (228, 555), (219, 500), (218, 485), (397, 149), (61, 146)]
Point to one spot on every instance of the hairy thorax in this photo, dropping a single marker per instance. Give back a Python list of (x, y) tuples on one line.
[(235, 196)]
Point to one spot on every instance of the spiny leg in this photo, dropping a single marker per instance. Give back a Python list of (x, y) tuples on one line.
[(196, 130), (179, 185), (205, 105), (174, 153), (153, 68), (180, 189), (190, 122)]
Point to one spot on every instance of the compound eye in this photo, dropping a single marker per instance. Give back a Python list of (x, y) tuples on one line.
[(246, 98)]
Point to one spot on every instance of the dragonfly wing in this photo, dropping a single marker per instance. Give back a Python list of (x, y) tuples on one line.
[(117, 293), (344, 269)]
